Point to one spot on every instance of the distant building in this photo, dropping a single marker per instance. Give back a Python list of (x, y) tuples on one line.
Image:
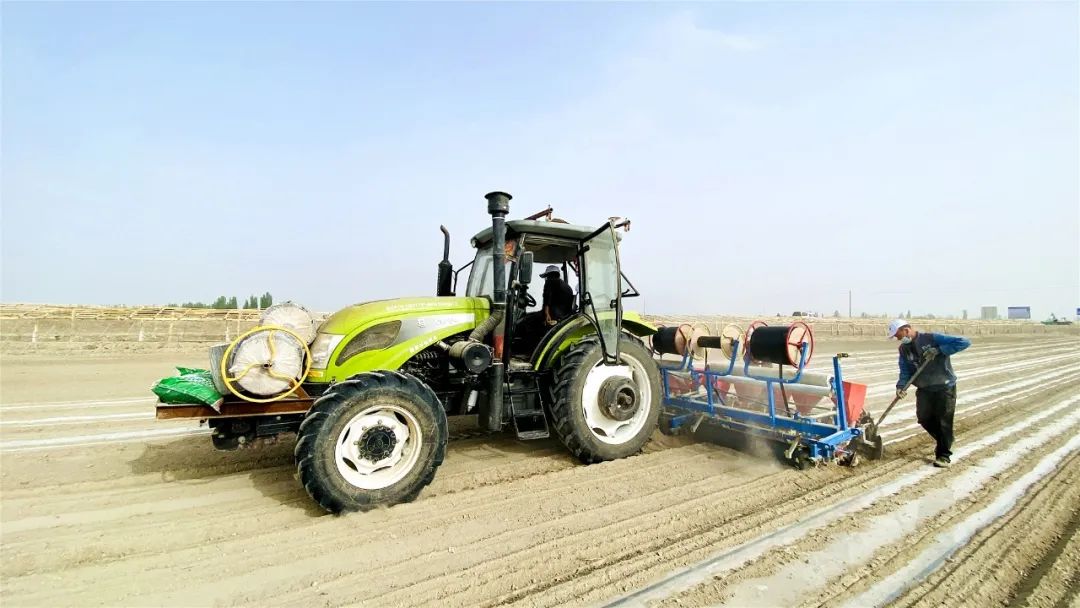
[(989, 313), (1019, 312)]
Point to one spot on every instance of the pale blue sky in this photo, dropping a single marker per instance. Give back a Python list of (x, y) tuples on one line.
[(771, 156)]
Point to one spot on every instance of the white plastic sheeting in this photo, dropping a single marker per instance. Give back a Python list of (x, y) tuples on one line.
[(293, 317), (261, 372)]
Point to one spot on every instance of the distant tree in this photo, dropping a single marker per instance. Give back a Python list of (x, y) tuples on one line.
[(229, 303), (836, 314), (908, 316)]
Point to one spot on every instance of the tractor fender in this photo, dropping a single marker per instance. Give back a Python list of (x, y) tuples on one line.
[(573, 329)]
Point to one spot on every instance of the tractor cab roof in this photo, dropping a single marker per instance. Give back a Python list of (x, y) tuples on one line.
[(514, 228)]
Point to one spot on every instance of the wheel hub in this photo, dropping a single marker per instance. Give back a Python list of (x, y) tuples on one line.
[(376, 443), (618, 398), (378, 447)]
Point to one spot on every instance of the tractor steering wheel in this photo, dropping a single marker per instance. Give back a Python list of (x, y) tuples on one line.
[(524, 298)]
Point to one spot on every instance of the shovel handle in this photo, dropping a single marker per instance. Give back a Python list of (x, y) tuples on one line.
[(877, 425)]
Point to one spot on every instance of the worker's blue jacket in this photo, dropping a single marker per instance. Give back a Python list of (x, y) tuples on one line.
[(938, 373)]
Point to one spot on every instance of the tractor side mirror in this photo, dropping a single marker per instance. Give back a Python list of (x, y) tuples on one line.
[(525, 268)]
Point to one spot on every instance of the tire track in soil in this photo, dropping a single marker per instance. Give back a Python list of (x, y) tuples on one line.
[(1055, 580), (220, 504), (412, 519), (789, 567), (933, 551), (193, 460), (222, 496), (217, 506), (1024, 546)]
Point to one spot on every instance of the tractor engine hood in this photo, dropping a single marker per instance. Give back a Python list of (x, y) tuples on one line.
[(350, 318), (384, 334)]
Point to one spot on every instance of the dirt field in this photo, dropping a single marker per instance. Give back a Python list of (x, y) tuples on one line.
[(103, 505)]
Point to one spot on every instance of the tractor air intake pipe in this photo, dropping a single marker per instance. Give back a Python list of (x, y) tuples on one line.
[(498, 207), (442, 288)]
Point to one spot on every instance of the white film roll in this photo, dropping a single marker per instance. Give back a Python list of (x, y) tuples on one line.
[(259, 372), (292, 317)]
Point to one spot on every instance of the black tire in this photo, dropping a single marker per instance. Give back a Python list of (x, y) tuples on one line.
[(328, 418), (567, 411)]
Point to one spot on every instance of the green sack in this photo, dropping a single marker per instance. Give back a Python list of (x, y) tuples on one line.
[(191, 386)]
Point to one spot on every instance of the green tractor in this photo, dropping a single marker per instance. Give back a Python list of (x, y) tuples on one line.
[(371, 413)]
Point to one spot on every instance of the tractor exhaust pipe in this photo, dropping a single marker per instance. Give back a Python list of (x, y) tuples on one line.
[(498, 207), (446, 269)]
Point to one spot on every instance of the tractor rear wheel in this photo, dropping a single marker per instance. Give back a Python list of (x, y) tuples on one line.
[(373, 440), (604, 412)]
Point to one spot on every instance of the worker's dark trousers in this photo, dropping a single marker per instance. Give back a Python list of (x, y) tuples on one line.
[(935, 407)]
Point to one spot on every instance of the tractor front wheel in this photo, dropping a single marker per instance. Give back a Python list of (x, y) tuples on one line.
[(605, 412), (373, 440)]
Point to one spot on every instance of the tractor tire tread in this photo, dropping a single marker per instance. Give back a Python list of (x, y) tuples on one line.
[(566, 371), (310, 460)]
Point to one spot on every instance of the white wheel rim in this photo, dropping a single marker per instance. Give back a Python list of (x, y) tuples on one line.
[(357, 468), (602, 426)]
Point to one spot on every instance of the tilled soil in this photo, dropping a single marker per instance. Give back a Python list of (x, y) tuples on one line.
[(97, 511)]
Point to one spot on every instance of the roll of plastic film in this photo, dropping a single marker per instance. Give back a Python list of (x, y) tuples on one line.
[(672, 340)]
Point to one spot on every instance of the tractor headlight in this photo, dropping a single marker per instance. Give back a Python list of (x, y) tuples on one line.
[(373, 338), (322, 348)]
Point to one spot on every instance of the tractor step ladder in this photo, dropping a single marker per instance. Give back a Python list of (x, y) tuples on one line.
[(529, 422)]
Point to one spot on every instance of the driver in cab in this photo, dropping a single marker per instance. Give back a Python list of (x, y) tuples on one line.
[(558, 303), (558, 297)]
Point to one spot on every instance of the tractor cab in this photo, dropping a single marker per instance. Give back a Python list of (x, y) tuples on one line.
[(539, 344), (586, 260)]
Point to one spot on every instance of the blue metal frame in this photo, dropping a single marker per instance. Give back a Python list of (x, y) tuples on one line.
[(822, 441)]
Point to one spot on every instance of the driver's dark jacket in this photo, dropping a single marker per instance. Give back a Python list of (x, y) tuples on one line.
[(559, 298)]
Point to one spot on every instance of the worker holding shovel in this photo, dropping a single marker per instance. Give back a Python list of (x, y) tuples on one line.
[(924, 362)]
